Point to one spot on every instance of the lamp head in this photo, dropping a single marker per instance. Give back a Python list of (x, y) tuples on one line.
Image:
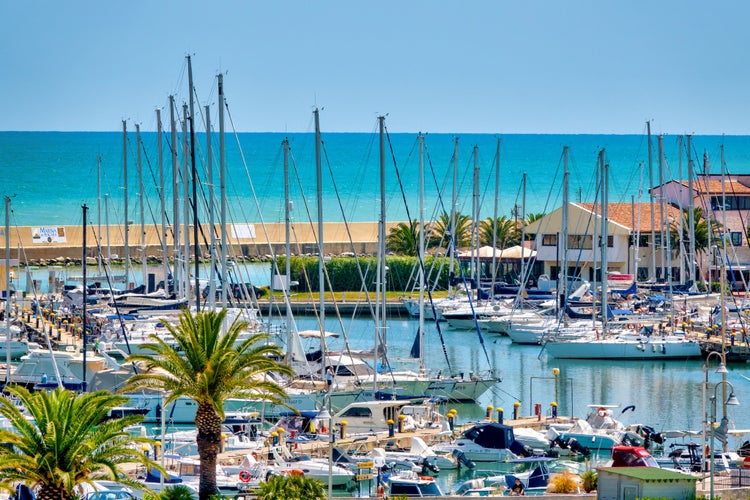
[(732, 400), (722, 368)]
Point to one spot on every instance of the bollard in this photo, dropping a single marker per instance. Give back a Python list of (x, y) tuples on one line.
[(281, 431), (516, 407), (222, 443), (343, 425), (401, 419), (554, 409), (489, 412), (499, 416), (450, 416), (391, 432), (292, 437), (538, 411), (274, 438), (733, 337)]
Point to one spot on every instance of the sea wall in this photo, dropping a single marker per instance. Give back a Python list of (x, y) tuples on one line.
[(60, 244)]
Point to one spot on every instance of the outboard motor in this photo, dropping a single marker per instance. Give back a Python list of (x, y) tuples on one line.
[(429, 466), (462, 459), (521, 450), (578, 447)]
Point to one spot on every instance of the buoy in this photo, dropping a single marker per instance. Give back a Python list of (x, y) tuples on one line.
[(245, 476)]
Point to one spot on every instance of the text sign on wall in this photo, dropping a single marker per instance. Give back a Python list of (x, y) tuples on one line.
[(48, 235)]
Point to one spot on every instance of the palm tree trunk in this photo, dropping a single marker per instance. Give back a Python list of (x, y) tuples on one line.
[(208, 423), (49, 492)]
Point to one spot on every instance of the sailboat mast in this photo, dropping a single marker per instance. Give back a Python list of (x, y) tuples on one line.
[(85, 298), (287, 243), (185, 207), (562, 285), (212, 245), (523, 232), (126, 251), (380, 337), (681, 207), (452, 243), (321, 248), (691, 211), (662, 215), (7, 290), (99, 212), (194, 176), (177, 267), (141, 209), (106, 225), (605, 238), (421, 254), (222, 194), (475, 221), (162, 206), (652, 271), (494, 218)]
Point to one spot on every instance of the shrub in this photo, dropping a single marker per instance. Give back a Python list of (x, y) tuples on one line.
[(564, 482), (589, 480)]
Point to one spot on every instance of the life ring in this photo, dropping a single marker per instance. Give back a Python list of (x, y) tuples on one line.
[(746, 463), (245, 476), (602, 412)]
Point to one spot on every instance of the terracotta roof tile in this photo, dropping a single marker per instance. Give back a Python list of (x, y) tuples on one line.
[(625, 213)]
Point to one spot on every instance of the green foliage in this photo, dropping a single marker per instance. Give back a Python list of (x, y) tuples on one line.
[(176, 492), (292, 488), (508, 233), (67, 442), (590, 481), (209, 365), (344, 275)]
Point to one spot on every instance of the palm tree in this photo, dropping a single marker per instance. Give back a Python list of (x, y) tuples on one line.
[(507, 232), (209, 367), (442, 227), (67, 442), (701, 232), (402, 239)]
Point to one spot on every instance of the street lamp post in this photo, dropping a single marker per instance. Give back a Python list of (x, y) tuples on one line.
[(323, 416), (733, 401), (723, 370)]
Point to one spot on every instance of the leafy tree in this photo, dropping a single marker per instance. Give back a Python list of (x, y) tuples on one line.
[(67, 443), (292, 487), (443, 227), (209, 367), (507, 232), (403, 239)]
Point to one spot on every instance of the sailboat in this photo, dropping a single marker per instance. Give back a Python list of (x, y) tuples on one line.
[(625, 343)]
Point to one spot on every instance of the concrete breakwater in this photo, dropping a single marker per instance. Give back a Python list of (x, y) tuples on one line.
[(41, 245)]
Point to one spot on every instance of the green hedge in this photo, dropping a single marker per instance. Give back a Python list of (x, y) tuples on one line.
[(344, 276)]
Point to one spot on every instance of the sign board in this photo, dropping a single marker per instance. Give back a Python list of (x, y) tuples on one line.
[(365, 465), (48, 235), (243, 231), (363, 477)]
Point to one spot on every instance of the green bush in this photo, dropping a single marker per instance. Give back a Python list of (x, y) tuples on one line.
[(292, 488), (590, 481), (344, 275)]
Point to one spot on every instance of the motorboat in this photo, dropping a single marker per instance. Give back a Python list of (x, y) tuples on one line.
[(281, 459), (486, 442), (411, 484)]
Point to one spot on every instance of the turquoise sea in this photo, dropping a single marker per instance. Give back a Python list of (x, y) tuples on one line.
[(49, 175)]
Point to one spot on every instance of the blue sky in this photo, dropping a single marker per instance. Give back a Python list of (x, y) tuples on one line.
[(557, 66)]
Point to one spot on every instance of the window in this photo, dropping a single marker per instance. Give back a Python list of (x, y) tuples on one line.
[(356, 411), (579, 241), (610, 241), (736, 238), (643, 241), (549, 240)]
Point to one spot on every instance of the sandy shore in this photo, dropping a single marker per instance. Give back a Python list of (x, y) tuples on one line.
[(48, 243)]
